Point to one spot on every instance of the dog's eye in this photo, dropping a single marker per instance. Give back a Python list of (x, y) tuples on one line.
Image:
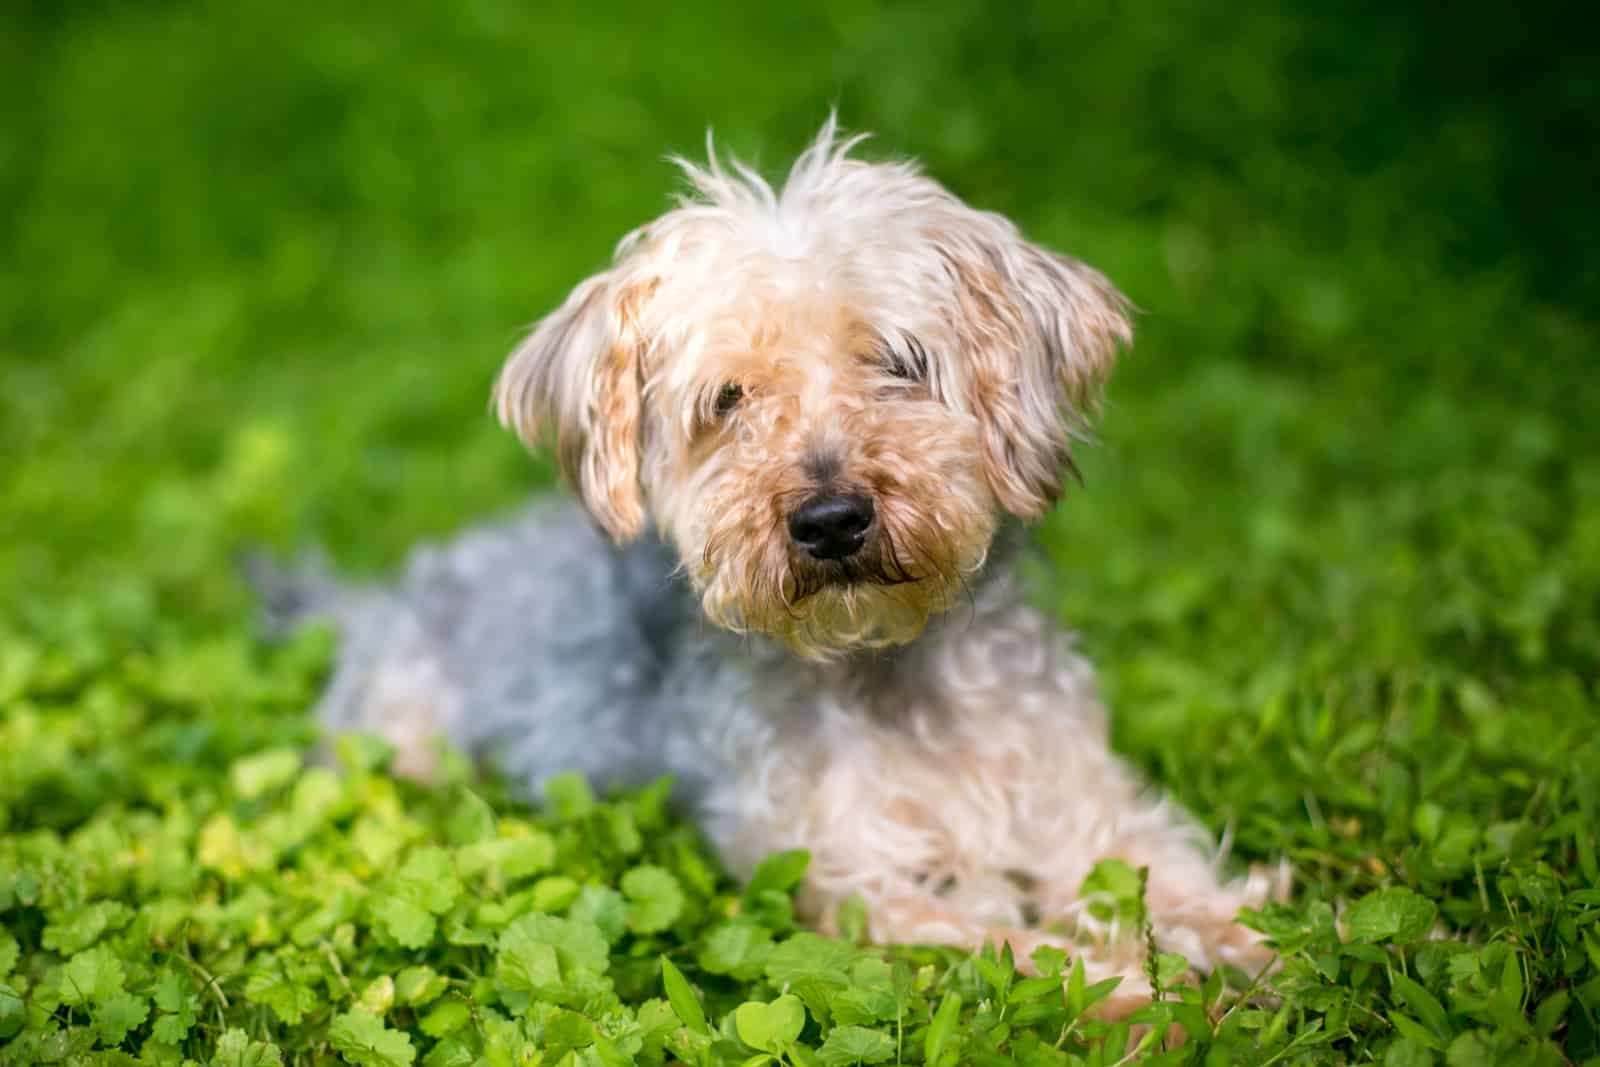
[(908, 362), (729, 398)]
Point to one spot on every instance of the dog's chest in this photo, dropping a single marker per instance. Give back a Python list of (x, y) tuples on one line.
[(920, 754)]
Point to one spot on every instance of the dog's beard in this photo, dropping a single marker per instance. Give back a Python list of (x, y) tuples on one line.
[(820, 609), (879, 563), (840, 618)]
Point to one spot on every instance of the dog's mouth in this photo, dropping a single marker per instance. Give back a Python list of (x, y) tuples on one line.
[(878, 563)]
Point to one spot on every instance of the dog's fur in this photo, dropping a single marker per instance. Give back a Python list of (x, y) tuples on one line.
[(903, 714)]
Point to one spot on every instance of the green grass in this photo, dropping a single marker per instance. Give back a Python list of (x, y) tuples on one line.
[(1338, 554)]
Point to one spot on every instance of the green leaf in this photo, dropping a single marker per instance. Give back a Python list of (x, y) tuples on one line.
[(471, 819), (178, 1008), (362, 753), (940, 1029), (682, 997), (1471, 1050), (172, 993), (1396, 915), (362, 1039), (739, 949), (1111, 876), (1505, 1001), (555, 893), (425, 886), (551, 958), (996, 973), (403, 920), (1033, 988), (623, 832), (808, 957), (1100, 991), (417, 986), (771, 1027), (1413, 1031), (856, 1044), (1406, 1052), (78, 928), (445, 1018), (429, 876), (654, 898), (456, 1050), (604, 907), (507, 858), (813, 967), (13, 1012), (1169, 966), (235, 1049), (284, 986), (851, 918), (779, 872), (1077, 994), (318, 795), (171, 1029), (569, 796), (116, 1014), (378, 995), (609, 1054), (264, 772), (529, 967), (579, 942), (91, 975), (1049, 960), (1425, 1004), (873, 995), (1551, 1011)]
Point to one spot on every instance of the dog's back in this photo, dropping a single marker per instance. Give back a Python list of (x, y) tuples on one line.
[(531, 643)]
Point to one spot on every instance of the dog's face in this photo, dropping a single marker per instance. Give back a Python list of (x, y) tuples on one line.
[(826, 397)]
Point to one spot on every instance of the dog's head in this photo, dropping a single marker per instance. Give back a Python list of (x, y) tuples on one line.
[(826, 396)]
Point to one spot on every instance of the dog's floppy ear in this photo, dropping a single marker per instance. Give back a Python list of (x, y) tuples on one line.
[(579, 372), (1039, 334)]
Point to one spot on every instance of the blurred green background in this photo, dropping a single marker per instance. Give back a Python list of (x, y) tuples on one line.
[(260, 261), (1337, 556)]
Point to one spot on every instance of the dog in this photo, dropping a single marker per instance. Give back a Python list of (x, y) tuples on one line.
[(807, 424)]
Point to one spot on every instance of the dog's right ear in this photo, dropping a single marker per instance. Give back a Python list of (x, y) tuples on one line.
[(579, 372)]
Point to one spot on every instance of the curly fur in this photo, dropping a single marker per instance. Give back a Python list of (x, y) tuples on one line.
[(903, 714)]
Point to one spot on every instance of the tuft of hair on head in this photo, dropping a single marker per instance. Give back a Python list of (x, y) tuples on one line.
[(734, 184)]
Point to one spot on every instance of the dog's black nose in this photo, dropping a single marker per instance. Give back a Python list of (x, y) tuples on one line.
[(831, 525)]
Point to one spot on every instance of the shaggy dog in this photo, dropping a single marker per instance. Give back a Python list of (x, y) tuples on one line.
[(806, 424)]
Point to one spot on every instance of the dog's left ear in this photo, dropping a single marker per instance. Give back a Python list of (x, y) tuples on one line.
[(579, 372), (1039, 333)]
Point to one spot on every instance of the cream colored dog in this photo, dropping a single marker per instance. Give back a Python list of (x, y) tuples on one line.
[(816, 417)]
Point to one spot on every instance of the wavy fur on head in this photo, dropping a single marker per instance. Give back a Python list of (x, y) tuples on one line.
[(858, 327)]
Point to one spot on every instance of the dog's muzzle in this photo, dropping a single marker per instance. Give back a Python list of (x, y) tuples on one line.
[(831, 525)]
